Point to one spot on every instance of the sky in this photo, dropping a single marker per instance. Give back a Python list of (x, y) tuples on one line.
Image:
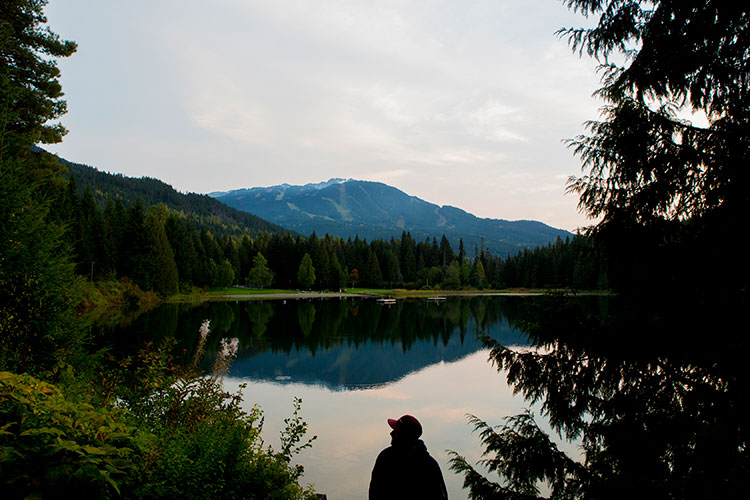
[(462, 103)]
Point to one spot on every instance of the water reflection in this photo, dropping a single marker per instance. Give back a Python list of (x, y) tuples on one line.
[(355, 363), (337, 343), (660, 412)]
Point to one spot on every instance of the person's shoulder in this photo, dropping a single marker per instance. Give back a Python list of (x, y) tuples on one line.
[(385, 453), (429, 459)]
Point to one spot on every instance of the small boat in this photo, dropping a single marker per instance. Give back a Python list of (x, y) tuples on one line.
[(386, 300), (435, 299)]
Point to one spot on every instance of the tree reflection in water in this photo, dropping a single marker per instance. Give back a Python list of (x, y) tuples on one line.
[(664, 419)]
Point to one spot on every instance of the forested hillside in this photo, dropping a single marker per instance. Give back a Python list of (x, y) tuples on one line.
[(160, 249), (159, 239), (202, 210)]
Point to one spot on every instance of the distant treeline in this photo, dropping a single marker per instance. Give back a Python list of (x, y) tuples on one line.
[(161, 249)]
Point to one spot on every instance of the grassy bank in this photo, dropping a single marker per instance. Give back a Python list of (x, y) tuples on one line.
[(242, 293)]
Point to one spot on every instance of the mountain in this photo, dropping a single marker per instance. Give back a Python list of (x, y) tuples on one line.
[(374, 210), (204, 211)]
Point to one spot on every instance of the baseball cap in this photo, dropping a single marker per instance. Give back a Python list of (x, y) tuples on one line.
[(407, 425)]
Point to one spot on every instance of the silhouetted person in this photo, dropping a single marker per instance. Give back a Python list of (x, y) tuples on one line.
[(405, 469)]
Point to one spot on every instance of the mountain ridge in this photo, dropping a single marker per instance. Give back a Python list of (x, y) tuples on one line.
[(370, 210)]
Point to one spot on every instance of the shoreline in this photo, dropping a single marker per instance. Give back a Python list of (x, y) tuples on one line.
[(394, 294)]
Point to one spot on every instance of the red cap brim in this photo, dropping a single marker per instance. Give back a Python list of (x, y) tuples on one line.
[(393, 423)]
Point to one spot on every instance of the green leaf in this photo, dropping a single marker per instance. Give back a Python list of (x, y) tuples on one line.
[(94, 450)]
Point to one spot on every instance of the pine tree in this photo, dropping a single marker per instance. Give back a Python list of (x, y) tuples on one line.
[(137, 249), (666, 420), (260, 275), (338, 273), (183, 247), (306, 272), (30, 90), (164, 276), (446, 253), (371, 275), (37, 285)]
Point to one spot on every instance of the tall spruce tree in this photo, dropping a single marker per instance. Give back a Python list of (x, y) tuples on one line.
[(260, 275), (668, 417), (30, 90), (37, 289), (667, 190), (164, 275), (306, 272)]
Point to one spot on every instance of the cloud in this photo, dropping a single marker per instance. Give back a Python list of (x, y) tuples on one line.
[(437, 95)]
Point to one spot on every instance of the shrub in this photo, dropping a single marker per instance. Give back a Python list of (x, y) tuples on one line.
[(206, 443), (53, 447)]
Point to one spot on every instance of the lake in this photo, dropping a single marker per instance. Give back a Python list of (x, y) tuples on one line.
[(355, 362)]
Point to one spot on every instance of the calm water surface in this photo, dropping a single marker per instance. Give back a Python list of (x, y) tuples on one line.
[(355, 363)]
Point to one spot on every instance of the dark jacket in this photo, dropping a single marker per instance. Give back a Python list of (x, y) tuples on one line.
[(403, 471)]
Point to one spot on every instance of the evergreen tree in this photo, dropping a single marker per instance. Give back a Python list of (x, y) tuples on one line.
[(230, 252), (465, 272), (205, 267), (137, 249), (669, 422), (306, 272), (478, 277), (245, 253), (164, 276), (260, 275), (338, 273), (114, 224), (183, 247), (37, 285), (30, 90), (408, 257), (446, 253), (371, 275)]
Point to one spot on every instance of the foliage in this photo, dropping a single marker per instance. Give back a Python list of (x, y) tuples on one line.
[(643, 160), (658, 413), (655, 416), (260, 276), (133, 244), (164, 273), (30, 92), (306, 272), (55, 447), (452, 276), (206, 443), (38, 289), (224, 274), (294, 432), (142, 426), (666, 190), (524, 455), (199, 210)]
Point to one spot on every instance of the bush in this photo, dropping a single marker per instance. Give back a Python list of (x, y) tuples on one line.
[(159, 431), (209, 446), (206, 443), (53, 447)]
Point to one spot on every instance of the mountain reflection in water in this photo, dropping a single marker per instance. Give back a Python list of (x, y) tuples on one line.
[(341, 344), (355, 363)]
